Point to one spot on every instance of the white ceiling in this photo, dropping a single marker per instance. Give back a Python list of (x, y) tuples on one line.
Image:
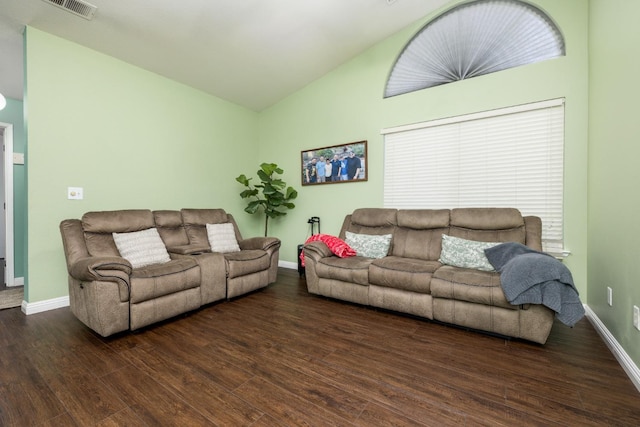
[(251, 52)]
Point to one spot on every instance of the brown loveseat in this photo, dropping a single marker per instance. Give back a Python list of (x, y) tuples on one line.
[(109, 295), (411, 279)]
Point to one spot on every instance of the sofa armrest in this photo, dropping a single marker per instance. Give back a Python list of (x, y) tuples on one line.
[(313, 252), (99, 268), (104, 269), (264, 243), (533, 226), (316, 250), (188, 249)]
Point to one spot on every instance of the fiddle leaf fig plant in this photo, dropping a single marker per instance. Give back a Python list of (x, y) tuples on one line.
[(271, 196)]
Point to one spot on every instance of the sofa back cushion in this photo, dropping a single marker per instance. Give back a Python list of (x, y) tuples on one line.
[(195, 223), (419, 233), (488, 224), (370, 221), (169, 225), (99, 226)]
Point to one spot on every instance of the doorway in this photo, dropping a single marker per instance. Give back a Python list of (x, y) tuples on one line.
[(10, 294)]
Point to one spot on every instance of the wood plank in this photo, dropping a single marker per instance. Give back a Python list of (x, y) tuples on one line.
[(81, 393), (151, 401), (287, 407), (196, 386)]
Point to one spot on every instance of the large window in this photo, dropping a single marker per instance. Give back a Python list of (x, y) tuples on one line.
[(512, 157)]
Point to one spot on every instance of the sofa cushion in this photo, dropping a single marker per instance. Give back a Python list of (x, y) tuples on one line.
[(169, 225), (122, 221), (369, 221), (98, 226), (419, 233), (409, 274), (222, 238), (487, 218), (195, 223), (464, 284), (488, 224), (141, 248), (246, 262), (420, 244), (368, 245), (374, 217), (466, 253), (353, 269), (157, 280), (423, 219)]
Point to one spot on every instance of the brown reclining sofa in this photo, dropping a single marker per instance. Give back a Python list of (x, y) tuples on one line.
[(411, 279), (109, 295)]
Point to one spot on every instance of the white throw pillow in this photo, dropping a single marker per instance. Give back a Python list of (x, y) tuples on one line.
[(222, 238), (141, 248)]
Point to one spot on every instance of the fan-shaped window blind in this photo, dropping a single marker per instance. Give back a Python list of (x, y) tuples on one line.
[(473, 39)]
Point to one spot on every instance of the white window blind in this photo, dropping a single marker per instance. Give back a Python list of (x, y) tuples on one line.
[(512, 157)]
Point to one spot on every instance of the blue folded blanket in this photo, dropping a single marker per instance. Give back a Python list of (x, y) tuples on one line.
[(528, 276)]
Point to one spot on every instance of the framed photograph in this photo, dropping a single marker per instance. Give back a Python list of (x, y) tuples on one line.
[(335, 164)]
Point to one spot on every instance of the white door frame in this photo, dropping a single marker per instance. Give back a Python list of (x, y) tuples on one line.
[(9, 272)]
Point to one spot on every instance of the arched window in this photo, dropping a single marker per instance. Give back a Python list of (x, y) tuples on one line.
[(472, 39)]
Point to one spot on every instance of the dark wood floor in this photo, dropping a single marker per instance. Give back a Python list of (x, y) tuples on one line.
[(283, 357)]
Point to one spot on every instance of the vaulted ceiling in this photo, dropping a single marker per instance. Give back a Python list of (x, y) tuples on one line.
[(251, 52)]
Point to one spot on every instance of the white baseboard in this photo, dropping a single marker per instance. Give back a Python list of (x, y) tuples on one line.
[(288, 264), (46, 305), (17, 281), (623, 358)]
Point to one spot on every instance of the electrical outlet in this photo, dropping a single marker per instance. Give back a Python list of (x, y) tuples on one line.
[(636, 317), (609, 296)]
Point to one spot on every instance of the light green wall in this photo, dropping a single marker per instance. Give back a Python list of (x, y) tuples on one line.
[(134, 139), (130, 138), (346, 105), (14, 114), (614, 174)]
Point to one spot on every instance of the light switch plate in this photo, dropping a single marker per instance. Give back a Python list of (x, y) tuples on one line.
[(75, 193), (18, 158)]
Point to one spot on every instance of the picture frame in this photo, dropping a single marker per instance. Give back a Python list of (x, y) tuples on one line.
[(351, 158)]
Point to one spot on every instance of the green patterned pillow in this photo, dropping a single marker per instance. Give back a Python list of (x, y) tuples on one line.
[(367, 245), (466, 253)]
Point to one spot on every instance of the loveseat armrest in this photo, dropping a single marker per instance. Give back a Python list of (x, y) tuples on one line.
[(98, 268), (104, 269), (264, 243), (188, 249)]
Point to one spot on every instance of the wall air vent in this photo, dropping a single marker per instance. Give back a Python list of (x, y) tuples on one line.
[(77, 7)]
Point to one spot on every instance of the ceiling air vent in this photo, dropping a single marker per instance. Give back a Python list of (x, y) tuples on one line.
[(77, 7)]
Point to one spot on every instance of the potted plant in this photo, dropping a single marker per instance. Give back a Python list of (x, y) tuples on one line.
[(271, 196)]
